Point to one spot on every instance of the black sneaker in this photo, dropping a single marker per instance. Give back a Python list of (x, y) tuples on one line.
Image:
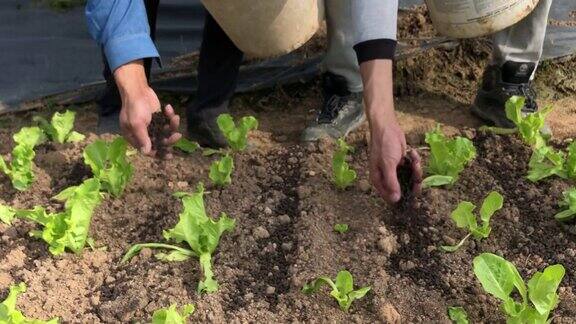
[(342, 111), (203, 128), (501, 83)]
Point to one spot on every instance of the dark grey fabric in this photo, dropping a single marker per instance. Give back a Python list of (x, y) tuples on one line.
[(44, 52)]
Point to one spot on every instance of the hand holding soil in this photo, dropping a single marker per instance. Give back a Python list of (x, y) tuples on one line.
[(163, 131), (409, 174), (387, 148)]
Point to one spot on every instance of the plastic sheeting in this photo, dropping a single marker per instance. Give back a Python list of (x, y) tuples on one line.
[(45, 52)]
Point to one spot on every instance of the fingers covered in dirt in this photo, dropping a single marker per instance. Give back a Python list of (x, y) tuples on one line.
[(387, 148), (171, 135), (417, 173)]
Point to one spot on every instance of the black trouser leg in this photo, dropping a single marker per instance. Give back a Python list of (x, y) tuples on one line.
[(218, 67), (111, 102)]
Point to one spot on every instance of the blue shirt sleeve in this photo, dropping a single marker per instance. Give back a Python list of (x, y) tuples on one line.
[(121, 28)]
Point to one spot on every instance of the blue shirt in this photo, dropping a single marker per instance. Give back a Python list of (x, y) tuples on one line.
[(121, 28)]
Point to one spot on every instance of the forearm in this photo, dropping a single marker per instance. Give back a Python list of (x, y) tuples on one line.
[(378, 91)]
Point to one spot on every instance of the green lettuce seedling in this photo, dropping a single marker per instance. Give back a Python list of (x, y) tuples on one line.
[(342, 175), (567, 214), (68, 229), (7, 214), (342, 289), (186, 145), (198, 230), (340, 228), (458, 315), (546, 162), (221, 170), (10, 315), (501, 279), (528, 125), (109, 164), (464, 217), (448, 157), (236, 136), (20, 171), (570, 164), (60, 129), (172, 315)]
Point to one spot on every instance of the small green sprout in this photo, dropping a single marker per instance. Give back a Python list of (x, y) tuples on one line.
[(340, 228), (342, 290), (200, 232), (342, 175), (186, 146), (546, 162), (501, 279), (173, 315), (60, 129), (569, 203), (236, 136), (20, 171), (458, 315), (448, 157), (527, 125), (221, 170), (109, 164), (10, 315), (464, 217), (69, 228)]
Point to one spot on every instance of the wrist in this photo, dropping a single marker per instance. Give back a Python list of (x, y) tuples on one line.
[(381, 116), (131, 80)]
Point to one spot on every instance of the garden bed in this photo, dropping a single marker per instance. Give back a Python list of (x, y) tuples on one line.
[(285, 207)]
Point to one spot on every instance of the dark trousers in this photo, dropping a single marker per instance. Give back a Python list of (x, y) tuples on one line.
[(218, 67)]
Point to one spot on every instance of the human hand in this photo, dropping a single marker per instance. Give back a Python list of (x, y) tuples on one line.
[(387, 151), (139, 103)]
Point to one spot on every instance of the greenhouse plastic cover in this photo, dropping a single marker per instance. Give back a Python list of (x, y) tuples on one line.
[(44, 52)]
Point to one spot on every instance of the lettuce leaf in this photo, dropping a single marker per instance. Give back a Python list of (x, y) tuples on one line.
[(448, 157), (21, 167), (172, 315), (221, 170), (342, 175), (342, 289), (236, 136), (60, 129), (110, 165), (10, 315), (67, 229)]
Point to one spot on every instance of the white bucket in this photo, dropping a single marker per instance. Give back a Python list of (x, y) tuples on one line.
[(473, 18), (265, 28)]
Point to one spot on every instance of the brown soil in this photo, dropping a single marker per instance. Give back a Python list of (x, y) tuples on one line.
[(285, 207), (157, 131)]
